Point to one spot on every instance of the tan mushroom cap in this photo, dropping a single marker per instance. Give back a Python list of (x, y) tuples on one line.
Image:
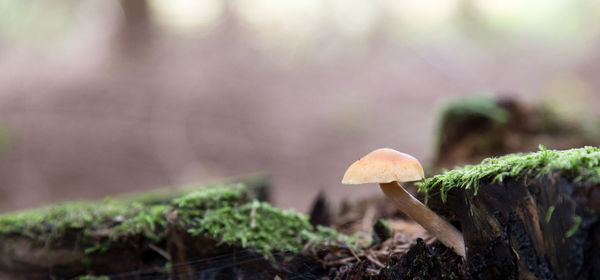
[(384, 166)]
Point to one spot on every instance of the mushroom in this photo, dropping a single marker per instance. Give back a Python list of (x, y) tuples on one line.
[(389, 168)]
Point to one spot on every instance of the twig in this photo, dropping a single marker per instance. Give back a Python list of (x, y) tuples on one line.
[(160, 251), (252, 214), (375, 261), (354, 254)]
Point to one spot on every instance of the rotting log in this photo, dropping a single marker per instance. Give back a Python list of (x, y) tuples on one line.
[(526, 216), (156, 235), (221, 232)]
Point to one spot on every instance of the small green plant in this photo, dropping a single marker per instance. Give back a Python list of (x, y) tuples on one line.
[(549, 214), (576, 224)]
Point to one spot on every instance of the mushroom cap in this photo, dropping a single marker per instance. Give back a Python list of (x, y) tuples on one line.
[(384, 166)]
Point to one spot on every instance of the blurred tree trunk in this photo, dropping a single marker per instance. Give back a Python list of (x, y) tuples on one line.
[(136, 28)]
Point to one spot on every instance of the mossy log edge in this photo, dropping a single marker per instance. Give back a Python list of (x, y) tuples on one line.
[(172, 236), (528, 227)]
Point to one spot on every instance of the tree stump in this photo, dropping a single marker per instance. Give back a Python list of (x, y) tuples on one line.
[(530, 216)]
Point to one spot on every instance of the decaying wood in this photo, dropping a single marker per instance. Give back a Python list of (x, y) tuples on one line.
[(529, 228), (24, 257)]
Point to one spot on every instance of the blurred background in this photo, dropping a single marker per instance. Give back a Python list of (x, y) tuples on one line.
[(100, 97)]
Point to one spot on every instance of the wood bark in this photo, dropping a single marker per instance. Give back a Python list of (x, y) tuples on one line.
[(528, 228)]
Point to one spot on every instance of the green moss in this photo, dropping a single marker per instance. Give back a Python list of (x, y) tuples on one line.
[(265, 228), (111, 217), (581, 165), (100, 223), (474, 106), (212, 198), (254, 224), (220, 212), (253, 184), (328, 236)]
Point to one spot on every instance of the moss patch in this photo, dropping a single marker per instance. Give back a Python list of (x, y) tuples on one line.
[(474, 106), (99, 223), (263, 227), (253, 184), (110, 217), (223, 213), (197, 202), (580, 165)]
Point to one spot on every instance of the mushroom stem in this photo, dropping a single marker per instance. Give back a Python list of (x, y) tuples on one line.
[(432, 222)]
